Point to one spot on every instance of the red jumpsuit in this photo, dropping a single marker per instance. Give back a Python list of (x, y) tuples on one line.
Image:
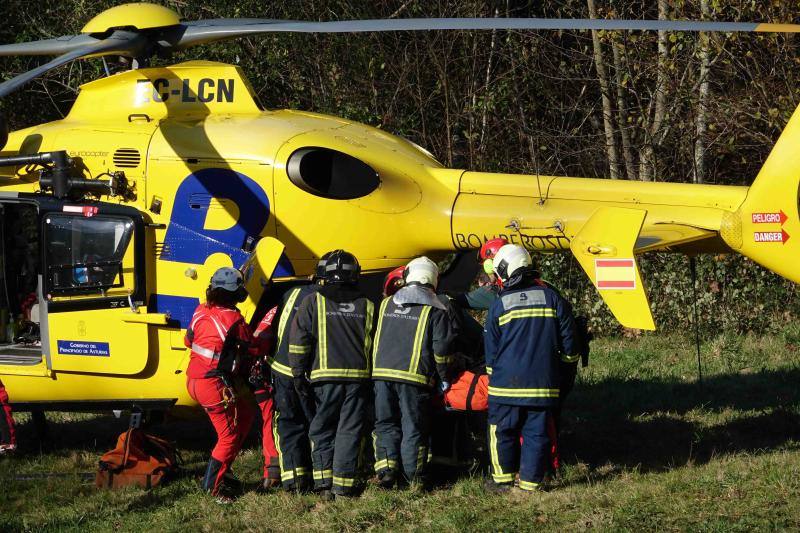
[(264, 337), (231, 415), (8, 436)]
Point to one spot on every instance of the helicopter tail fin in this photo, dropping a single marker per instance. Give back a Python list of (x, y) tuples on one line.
[(604, 247), (766, 227)]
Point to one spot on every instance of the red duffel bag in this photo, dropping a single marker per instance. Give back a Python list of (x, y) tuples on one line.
[(139, 459)]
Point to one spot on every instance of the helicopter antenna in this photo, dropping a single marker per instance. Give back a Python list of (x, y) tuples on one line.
[(542, 199)]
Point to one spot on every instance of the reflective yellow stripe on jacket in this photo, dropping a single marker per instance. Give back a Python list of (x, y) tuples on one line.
[(400, 374), (542, 312), (339, 373), (368, 331), (384, 303), (279, 368), (287, 310), (422, 325), (322, 333), (523, 393)]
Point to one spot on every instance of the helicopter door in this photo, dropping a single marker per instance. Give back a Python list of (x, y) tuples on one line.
[(93, 282)]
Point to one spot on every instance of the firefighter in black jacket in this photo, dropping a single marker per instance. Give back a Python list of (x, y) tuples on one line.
[(293, 413), (529, 331), (329, 347), (412, 349)]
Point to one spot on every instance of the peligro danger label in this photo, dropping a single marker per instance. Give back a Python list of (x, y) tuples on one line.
[(92, 349), (770, 218), (615, 274), (771, 236)]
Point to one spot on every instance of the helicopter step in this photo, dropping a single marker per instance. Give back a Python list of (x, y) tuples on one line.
[(20, 354)]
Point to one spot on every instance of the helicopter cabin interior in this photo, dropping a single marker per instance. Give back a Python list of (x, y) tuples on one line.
[(51, 257)]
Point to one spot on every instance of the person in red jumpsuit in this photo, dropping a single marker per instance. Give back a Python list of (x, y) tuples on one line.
[(8, 436), (260, 380), (222, 345)]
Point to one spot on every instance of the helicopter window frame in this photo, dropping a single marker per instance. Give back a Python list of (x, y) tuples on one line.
[(81, 272)]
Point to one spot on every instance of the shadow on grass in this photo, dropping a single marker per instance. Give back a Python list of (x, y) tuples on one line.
[(610, 425), (650, 424)]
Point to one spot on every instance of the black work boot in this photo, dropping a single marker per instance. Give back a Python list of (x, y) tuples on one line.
[(387, 479), (326, 495), (210, 477), (497, 488)]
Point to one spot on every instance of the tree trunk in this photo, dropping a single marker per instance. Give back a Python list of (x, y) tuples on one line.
[(701, 121), (602, 75), (487, 79), (647, 160), (622, 115)]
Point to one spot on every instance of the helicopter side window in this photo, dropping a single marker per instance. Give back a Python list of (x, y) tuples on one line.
[(331, 174), (87, 256)]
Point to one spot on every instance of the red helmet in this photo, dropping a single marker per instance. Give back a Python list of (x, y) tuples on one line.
[(394, 281), (490, 248)]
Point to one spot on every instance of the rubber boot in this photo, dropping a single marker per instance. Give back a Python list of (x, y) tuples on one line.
[(387, 479), (210, 478), (497, 488), (273, 477)]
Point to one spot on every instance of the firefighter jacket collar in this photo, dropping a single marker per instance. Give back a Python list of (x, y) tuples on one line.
[(340, 293), (526, 277), (417, 294)]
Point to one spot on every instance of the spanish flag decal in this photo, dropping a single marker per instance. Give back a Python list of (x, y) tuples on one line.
[(615, 274)]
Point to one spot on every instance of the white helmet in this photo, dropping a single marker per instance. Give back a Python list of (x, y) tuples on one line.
[(509, 260), (422, 271)]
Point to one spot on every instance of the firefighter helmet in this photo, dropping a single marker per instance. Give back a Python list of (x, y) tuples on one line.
[(510, 260), (490, 248), (488, 251), (422, 271), (341, 267), (394, 281), (319, 272)]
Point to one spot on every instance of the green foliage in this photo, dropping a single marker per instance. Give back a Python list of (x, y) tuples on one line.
[(734, 295)]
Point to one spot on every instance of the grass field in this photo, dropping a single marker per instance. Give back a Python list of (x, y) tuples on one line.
[(646, 448)]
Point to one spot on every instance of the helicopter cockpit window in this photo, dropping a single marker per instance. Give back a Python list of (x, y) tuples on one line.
[(331, 174), (88, 255)]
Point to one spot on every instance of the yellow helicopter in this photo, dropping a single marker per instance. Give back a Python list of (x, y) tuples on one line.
[(113, 218)]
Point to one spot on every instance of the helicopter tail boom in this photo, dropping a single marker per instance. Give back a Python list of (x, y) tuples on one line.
[(766, 226)]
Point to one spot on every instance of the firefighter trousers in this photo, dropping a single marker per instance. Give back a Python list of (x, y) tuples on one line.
[(8, 434), (231, 418), (292, 420), (266, 405), (507, 423), (402, 420), (335, 432)]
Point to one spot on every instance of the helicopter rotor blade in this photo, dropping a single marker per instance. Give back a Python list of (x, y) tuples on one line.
[(47, 47), (206, 31), (119, 43)]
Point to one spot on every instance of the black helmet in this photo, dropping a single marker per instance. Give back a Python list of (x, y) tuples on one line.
[(341, 267), (319, 272)]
